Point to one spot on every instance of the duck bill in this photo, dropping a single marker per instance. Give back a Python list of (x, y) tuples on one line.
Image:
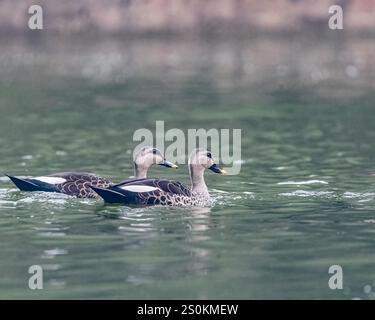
[(215, 168), (167, 164)]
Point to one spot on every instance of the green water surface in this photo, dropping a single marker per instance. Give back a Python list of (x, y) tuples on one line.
[(303, 201)]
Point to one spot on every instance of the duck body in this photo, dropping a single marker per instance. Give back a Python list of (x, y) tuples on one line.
[(146, 192), (79, 184), (70, 183), (166, 192)]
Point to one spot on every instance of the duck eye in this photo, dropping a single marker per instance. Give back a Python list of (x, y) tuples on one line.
[(209, 155), (154, 151)]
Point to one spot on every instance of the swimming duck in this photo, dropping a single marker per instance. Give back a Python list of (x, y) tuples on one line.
[(166, 192), (78, 184)]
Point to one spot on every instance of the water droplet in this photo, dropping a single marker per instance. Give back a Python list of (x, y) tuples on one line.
[(367, 289)]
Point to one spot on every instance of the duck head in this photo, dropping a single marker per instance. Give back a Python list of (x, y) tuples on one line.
[(203, 158), (147, 157), (200, 160)]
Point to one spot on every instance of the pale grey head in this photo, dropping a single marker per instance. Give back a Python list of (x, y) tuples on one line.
[(147, 157), (200, 160)]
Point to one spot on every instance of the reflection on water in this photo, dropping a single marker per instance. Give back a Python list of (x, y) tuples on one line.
[(304, 199)]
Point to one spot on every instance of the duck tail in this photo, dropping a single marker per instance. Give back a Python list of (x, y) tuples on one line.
[(23, 184), (110, 196)]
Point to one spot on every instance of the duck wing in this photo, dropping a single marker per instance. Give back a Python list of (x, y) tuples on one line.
[(167, 186), (74, 184), (31, 184), (78, 184), (144, 192)]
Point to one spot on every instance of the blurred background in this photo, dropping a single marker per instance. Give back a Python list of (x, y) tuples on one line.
[(187, 16), (278, 46)]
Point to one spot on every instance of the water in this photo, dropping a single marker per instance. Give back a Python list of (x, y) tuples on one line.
[(304, 199)]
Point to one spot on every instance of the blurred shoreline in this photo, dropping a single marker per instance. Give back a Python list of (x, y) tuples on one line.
[(272, 68), (150, 17)]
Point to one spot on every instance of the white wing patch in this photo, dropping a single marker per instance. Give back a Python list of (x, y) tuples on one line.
[(139, 188), (51, 180)]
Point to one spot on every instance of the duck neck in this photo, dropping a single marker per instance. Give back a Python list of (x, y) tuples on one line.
[(140, 172), (198, 184)]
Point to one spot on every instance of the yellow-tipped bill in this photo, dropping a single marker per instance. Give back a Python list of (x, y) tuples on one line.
[(168, 164), (215, 168)]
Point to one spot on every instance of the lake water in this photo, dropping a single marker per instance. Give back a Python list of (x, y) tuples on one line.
[(303, 201)]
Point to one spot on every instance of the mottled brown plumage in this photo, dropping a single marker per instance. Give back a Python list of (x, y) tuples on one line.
[(166, 192), (78, 184)]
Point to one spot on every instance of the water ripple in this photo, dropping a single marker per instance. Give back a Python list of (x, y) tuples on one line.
[(52, 253), (358, 195), (303, 182), (308, 194)]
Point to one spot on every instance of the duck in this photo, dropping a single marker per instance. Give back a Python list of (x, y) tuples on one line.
[(145, 192), (78, 183)]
